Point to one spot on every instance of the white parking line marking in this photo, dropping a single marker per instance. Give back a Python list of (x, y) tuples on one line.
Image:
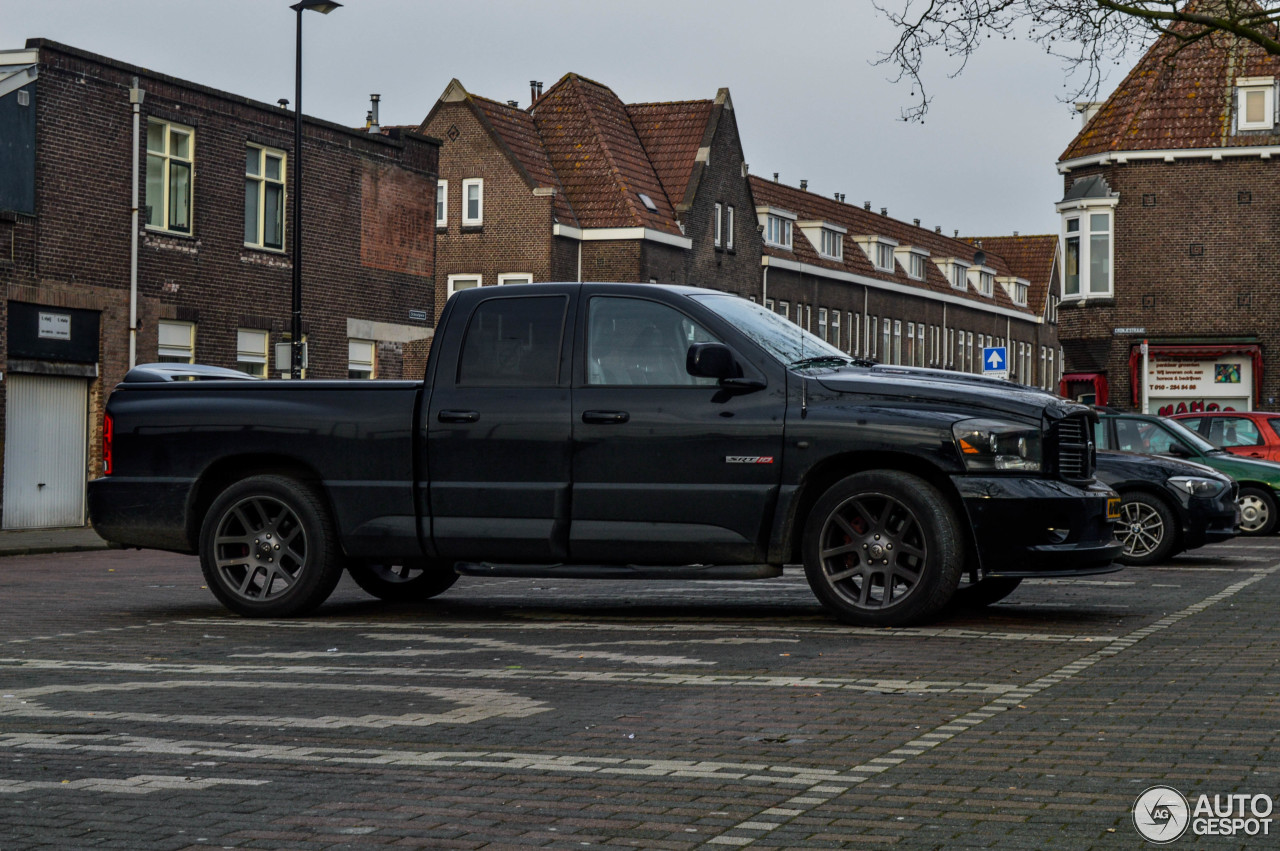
[(140, 784), (654, 678), (498, 761), (472, 705)]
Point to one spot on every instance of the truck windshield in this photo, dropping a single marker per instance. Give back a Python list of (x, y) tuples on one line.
[(782, 338)]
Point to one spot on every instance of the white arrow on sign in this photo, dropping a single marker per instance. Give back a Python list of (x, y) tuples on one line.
[(994, 361)]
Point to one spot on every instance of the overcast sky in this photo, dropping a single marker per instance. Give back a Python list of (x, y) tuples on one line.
[(809, 103)]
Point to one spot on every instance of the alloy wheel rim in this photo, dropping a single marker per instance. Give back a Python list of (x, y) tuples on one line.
[(260, 548), (872, 551), (1143, 529)]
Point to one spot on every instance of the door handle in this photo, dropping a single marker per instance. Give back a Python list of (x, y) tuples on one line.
[(605, 417), (458, 416)]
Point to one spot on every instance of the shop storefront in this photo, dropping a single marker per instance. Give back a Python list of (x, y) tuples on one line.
[(1185, 378)]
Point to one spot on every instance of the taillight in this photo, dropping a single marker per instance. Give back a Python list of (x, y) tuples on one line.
[(108, 435)]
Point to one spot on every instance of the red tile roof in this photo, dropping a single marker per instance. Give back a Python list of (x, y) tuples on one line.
[(1179, 96), (1029, 257), (518, 131), (672, 133), (860, 222), (592, 145)]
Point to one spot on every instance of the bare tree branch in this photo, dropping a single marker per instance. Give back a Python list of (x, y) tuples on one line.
[(1087, 35)]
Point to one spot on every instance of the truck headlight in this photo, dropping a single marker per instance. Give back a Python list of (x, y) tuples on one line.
[(1196, 486), (991, 445)]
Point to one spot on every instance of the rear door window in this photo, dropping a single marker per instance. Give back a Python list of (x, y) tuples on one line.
[(514, 342), (1234, 431)]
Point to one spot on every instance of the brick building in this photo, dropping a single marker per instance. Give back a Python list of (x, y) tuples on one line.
[(580, 186), (899, 293), (212, 250), (1170, 220)]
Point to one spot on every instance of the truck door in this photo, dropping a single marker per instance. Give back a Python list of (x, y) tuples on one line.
[(498, 429), (668, 468)]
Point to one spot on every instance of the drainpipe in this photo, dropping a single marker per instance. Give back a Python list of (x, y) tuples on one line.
[(764, 288), (135, 97)]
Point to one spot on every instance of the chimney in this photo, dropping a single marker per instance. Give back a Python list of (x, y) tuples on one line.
[(866, 205), (1015, 233), (804, 186), (535, 91), (1088, 109), (841, 197), (373, 114), (283, 103), (917, 221), (937, 228), (884, 211), (514, 103), (956, 233), (775, 177)]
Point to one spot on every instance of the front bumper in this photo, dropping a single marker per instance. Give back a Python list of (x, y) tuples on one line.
[(1209, 521), (1027, 527)]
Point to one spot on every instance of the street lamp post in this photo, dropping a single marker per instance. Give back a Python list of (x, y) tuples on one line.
[(324, 7)]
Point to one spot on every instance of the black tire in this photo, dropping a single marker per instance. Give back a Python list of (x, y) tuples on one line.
[(268, 548), (1258, 511), (404, 583), (883, 549), (1147, 528), (985, 592)]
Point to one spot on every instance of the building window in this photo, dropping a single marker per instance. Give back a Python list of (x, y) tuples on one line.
[(884, 257), (1255, 104), (808, 317), (170, 154), (832, 244), (855, 333), (897, 341), (464, 282), (442, 203), (718, 224), (264, 197), (916, 269), (177, 341), (986, 283), (959, 276), (835, 329), (473, 202), (515, 278), (919, 344), (886, 340), (784, 308), (909, 345), (728, 232), (822, 323), (361, 358), (1087, 241), (251, 352), (777, 231), (769, 305)]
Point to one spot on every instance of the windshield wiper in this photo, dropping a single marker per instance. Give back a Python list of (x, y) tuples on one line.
[(820, 360)]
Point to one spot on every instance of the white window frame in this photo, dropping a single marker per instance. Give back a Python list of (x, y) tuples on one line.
[(167, 158), (886, 340), (728, 234), (478, 219), (1082, 213), (1265, 87), (822, 324), (442, 203), (832, 247), (983, 280), (454, 280), (515, 278), (253, 348), (920, 344), (176, 340), (356, 360), (835, 329), (784, 309), (717, 225), (913, 260), (262, 183)]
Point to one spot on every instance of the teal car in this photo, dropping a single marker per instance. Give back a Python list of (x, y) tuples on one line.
[(1259, 481)]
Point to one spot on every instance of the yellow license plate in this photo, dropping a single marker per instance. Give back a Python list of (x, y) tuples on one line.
[(1113, 508)]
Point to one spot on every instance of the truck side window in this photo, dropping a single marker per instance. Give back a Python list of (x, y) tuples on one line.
[(634, 341), (513, 342)]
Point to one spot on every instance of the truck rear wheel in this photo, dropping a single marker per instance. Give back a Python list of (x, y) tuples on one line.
[(268, 548), (404, 583), (883, 549)]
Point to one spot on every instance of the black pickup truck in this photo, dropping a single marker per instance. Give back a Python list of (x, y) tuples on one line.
[(608, 430)]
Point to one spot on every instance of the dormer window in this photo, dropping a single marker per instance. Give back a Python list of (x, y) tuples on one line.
[(832, 244), (913, 260), (879, 251), (955, 271), (983, 280), (1017, 288), (777, 226), (1255, 103)]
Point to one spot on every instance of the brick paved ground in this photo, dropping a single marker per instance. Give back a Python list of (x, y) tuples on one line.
[(136, 714)]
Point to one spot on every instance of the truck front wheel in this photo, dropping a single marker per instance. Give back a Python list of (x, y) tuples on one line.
[(268, 548), (404, 583), (883, 548)]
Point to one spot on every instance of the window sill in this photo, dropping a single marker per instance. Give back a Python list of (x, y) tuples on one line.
[(1091, 301), (175, 234), (262, 249), (476, 228)]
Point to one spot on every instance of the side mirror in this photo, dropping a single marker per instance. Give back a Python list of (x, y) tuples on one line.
[(1177, 450), (711, 360)]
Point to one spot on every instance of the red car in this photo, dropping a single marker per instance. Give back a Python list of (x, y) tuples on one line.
[(1253, 434)]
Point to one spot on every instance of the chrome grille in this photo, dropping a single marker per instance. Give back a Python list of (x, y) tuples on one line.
[(1075, 448)]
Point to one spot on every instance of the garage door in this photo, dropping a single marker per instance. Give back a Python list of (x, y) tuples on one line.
[(44, 451)]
